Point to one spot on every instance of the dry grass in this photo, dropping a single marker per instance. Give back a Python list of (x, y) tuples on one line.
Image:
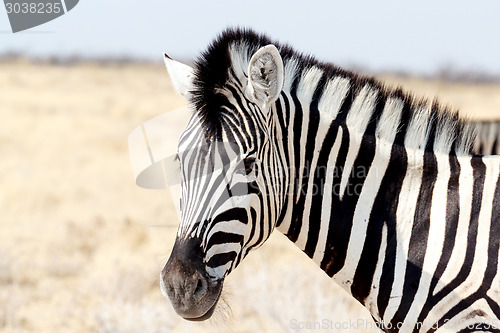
[(81, 247)]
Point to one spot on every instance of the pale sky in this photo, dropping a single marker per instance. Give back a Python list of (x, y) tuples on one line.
[(417, 36)]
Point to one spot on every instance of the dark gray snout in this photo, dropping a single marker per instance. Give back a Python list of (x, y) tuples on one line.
[(184, 280)]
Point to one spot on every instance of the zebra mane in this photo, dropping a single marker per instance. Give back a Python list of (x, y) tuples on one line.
[(422, 125)]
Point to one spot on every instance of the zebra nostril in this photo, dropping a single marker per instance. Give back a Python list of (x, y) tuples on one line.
[(201, 288)]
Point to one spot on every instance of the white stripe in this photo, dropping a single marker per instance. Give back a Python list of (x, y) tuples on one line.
[(357, 120), (327, 200), (238, 53), (434, 242), (404, 224), (389, 120), (305, 91), (219, 271), (285, 225), (332, 98), (221, 248), (291, 68), (362, 212), (465, 182), (367, 196), (362, 109), (473, 281), (418, 130)]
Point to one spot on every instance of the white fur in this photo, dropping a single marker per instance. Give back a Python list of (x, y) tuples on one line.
[(333, 96), (357, 120), (265, 76), (290, 74), (239, 61), (418, 130), (468, 135), (180, 74), (389, 120), (362, 109), (445, 135)]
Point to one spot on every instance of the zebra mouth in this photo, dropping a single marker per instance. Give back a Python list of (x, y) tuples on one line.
[(207, 315), (213, 296)]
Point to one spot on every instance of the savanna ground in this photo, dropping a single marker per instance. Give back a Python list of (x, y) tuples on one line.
[(81, 246)]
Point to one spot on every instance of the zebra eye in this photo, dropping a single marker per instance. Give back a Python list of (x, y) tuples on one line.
[(249, 165)]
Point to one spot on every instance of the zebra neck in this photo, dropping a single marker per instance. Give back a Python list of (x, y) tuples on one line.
[(347, 174), (334, 193)]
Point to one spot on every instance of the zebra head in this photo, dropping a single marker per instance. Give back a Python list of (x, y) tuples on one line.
[(231, 172)]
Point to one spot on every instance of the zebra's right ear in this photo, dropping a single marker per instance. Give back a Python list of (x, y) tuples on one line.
[(180, 74), (266, 76)]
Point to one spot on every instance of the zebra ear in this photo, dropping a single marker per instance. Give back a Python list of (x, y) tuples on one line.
[(180, 74), (266, 76)]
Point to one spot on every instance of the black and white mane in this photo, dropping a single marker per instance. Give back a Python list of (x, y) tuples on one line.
[(213, 69)]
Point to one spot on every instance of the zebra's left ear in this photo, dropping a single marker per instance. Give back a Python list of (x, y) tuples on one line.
[(266, 76), (181, 75)]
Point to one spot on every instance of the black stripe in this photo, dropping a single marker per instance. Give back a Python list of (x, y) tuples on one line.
[(339, 228), (337, 233), (314, 220), (493, 249), (261, 223), (365, 270), (233, 214), (235, 77), (287, 110), (396, 171), (221, 259), (419, 236), (496, 144), (452, 217), (286, 154), (319, 183), (478, 172), (296, 225), (209, 193), (253, 218), (237, 190), (280, 115), (343, 210), (222, 237), (384, 212), (494, 306)]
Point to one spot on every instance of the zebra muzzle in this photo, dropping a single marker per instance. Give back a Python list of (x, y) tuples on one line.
[(192, 293)]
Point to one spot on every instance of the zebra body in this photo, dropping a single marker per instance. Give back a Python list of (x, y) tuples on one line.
[(378, 189)]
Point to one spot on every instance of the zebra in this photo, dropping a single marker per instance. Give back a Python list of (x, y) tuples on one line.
[(380, 189), (488, 138)]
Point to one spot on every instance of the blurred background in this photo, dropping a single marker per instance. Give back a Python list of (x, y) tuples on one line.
[(81, 246)]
